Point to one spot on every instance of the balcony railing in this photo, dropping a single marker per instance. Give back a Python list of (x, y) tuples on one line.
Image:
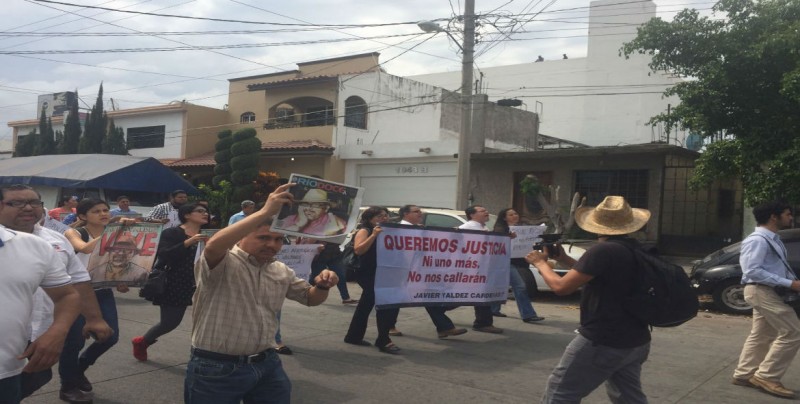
[(275, 124)]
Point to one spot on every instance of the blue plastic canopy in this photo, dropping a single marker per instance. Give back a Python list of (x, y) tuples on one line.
[(108, 171)]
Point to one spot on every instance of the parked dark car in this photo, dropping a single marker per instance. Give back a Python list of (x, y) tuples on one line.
[(720, 275)]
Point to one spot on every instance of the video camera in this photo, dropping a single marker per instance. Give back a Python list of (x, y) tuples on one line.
[(552, 242)]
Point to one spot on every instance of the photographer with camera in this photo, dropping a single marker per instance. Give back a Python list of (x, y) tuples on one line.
[(608, 332), (775, 335)]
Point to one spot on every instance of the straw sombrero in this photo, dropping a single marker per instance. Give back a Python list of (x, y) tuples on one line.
[(315, 196), (613, 216)]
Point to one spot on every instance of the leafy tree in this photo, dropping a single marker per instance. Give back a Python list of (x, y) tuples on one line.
[(72, 130), (45, 140), (742, 90), (220, 199), (114, 141), (222, 157), (96, 127), (245, 154), (25, 145)]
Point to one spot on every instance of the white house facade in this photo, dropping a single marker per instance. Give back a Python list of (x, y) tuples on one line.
[(602, 99)]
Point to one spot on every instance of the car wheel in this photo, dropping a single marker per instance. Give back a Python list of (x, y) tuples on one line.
[(729, 297), (530, 282)]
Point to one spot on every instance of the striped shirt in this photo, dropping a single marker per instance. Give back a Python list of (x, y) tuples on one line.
[(236, 303)]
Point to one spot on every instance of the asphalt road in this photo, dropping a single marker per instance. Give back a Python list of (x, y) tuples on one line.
[(692, 363)]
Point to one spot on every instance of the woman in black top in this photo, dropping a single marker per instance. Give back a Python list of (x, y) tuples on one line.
[(176, 252), (366, 248)]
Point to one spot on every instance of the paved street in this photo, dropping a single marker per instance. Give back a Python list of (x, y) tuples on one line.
[(689, 364)]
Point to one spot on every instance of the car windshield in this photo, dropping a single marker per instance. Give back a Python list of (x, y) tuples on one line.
[(733, 248)]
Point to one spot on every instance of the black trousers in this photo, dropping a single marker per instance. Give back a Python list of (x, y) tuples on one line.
[(385, 318)]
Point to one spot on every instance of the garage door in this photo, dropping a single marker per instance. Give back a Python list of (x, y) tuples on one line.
[(398, 191)]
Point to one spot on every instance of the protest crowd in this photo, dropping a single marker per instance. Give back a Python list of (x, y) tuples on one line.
[(60, 309)]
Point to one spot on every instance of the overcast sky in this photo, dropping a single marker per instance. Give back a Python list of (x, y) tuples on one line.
[(137, 79)]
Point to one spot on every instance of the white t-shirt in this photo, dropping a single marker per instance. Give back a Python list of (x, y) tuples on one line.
[(473, 225), (42, 315), (35, 264)]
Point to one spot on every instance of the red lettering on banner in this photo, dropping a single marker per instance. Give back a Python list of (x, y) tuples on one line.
[(484, 247), (414, 243), (148, 245), (414, 277)]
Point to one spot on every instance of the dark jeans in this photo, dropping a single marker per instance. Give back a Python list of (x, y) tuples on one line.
[(211, 381), (72, 362), (483, 317), (440, 320), (35, 381), (335, 265), (10, 390), (171, 317), (385, 318)]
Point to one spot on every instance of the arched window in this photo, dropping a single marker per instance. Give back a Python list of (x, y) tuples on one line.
[(247, 117), (355, 113)]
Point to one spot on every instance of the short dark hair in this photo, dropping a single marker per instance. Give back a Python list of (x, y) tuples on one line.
[(177, 192), (64, 199), (370, 213), (405, 209), (764, 211), (186, 210), (17, 187), (85, 205), (121, 197), (471, 210)]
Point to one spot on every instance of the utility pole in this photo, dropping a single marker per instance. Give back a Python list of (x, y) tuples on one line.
[(468, 49)]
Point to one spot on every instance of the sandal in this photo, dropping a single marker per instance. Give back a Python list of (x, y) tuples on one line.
[(284, 350), (349, 301), (394, 332), (390, 348)]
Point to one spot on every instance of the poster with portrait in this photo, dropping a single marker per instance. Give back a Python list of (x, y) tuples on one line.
[(124, 255), (321, 209)]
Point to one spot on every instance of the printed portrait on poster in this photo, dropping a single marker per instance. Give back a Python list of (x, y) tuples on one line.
[(124, 255)]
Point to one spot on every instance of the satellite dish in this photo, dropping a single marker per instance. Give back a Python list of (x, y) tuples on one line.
[(694, 142)]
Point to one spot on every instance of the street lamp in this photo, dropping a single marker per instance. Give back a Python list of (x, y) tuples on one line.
[(467, 51)]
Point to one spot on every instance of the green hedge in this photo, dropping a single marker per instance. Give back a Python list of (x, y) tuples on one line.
[(244, 177), (244, 162), (247, 146), (244, 134)]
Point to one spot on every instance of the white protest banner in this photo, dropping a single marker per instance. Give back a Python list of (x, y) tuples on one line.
[(298, 257), (418, 267), (54, 224), (526, 237)]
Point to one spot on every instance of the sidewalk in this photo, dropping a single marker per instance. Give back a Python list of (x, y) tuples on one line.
[(692, 363)]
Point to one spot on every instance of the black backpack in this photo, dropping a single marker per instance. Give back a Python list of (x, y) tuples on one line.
[(663, 295)]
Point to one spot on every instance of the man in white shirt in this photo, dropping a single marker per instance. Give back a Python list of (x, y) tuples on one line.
[(35, 265), (25, 219), (478, 216)]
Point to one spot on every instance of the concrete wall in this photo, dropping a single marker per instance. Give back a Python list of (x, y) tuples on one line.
[(202, 125), (570, 91)]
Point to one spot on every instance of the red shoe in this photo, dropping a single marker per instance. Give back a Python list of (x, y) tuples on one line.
[(139, 348)]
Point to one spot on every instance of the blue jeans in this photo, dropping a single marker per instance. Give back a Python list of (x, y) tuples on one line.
[(72, 362), (334, 265), (11, 389), (585, 366), (211, 381), (524, 304), (278, 338)]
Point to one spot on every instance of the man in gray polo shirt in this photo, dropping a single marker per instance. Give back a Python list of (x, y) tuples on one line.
[(240, 288)]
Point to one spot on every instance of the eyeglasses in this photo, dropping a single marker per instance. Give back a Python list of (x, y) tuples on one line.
[(35, 203), (200, 210)]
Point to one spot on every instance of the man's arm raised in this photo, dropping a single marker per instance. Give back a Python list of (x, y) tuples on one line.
[(218, 245)]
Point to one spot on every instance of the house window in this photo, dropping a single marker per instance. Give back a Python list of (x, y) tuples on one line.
[(319, 116), (146, 137), (355, 113), (247, 117), (283, 114), (596, 185)]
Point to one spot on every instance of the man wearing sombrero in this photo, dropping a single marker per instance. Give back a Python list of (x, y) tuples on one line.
[(313, 216), (611, 344)]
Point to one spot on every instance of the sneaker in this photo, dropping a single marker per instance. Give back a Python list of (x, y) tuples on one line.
[(83, 383), (774, 388), (533, 319), (139, 348), (452, 332), (490, 329), (75, 395)]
